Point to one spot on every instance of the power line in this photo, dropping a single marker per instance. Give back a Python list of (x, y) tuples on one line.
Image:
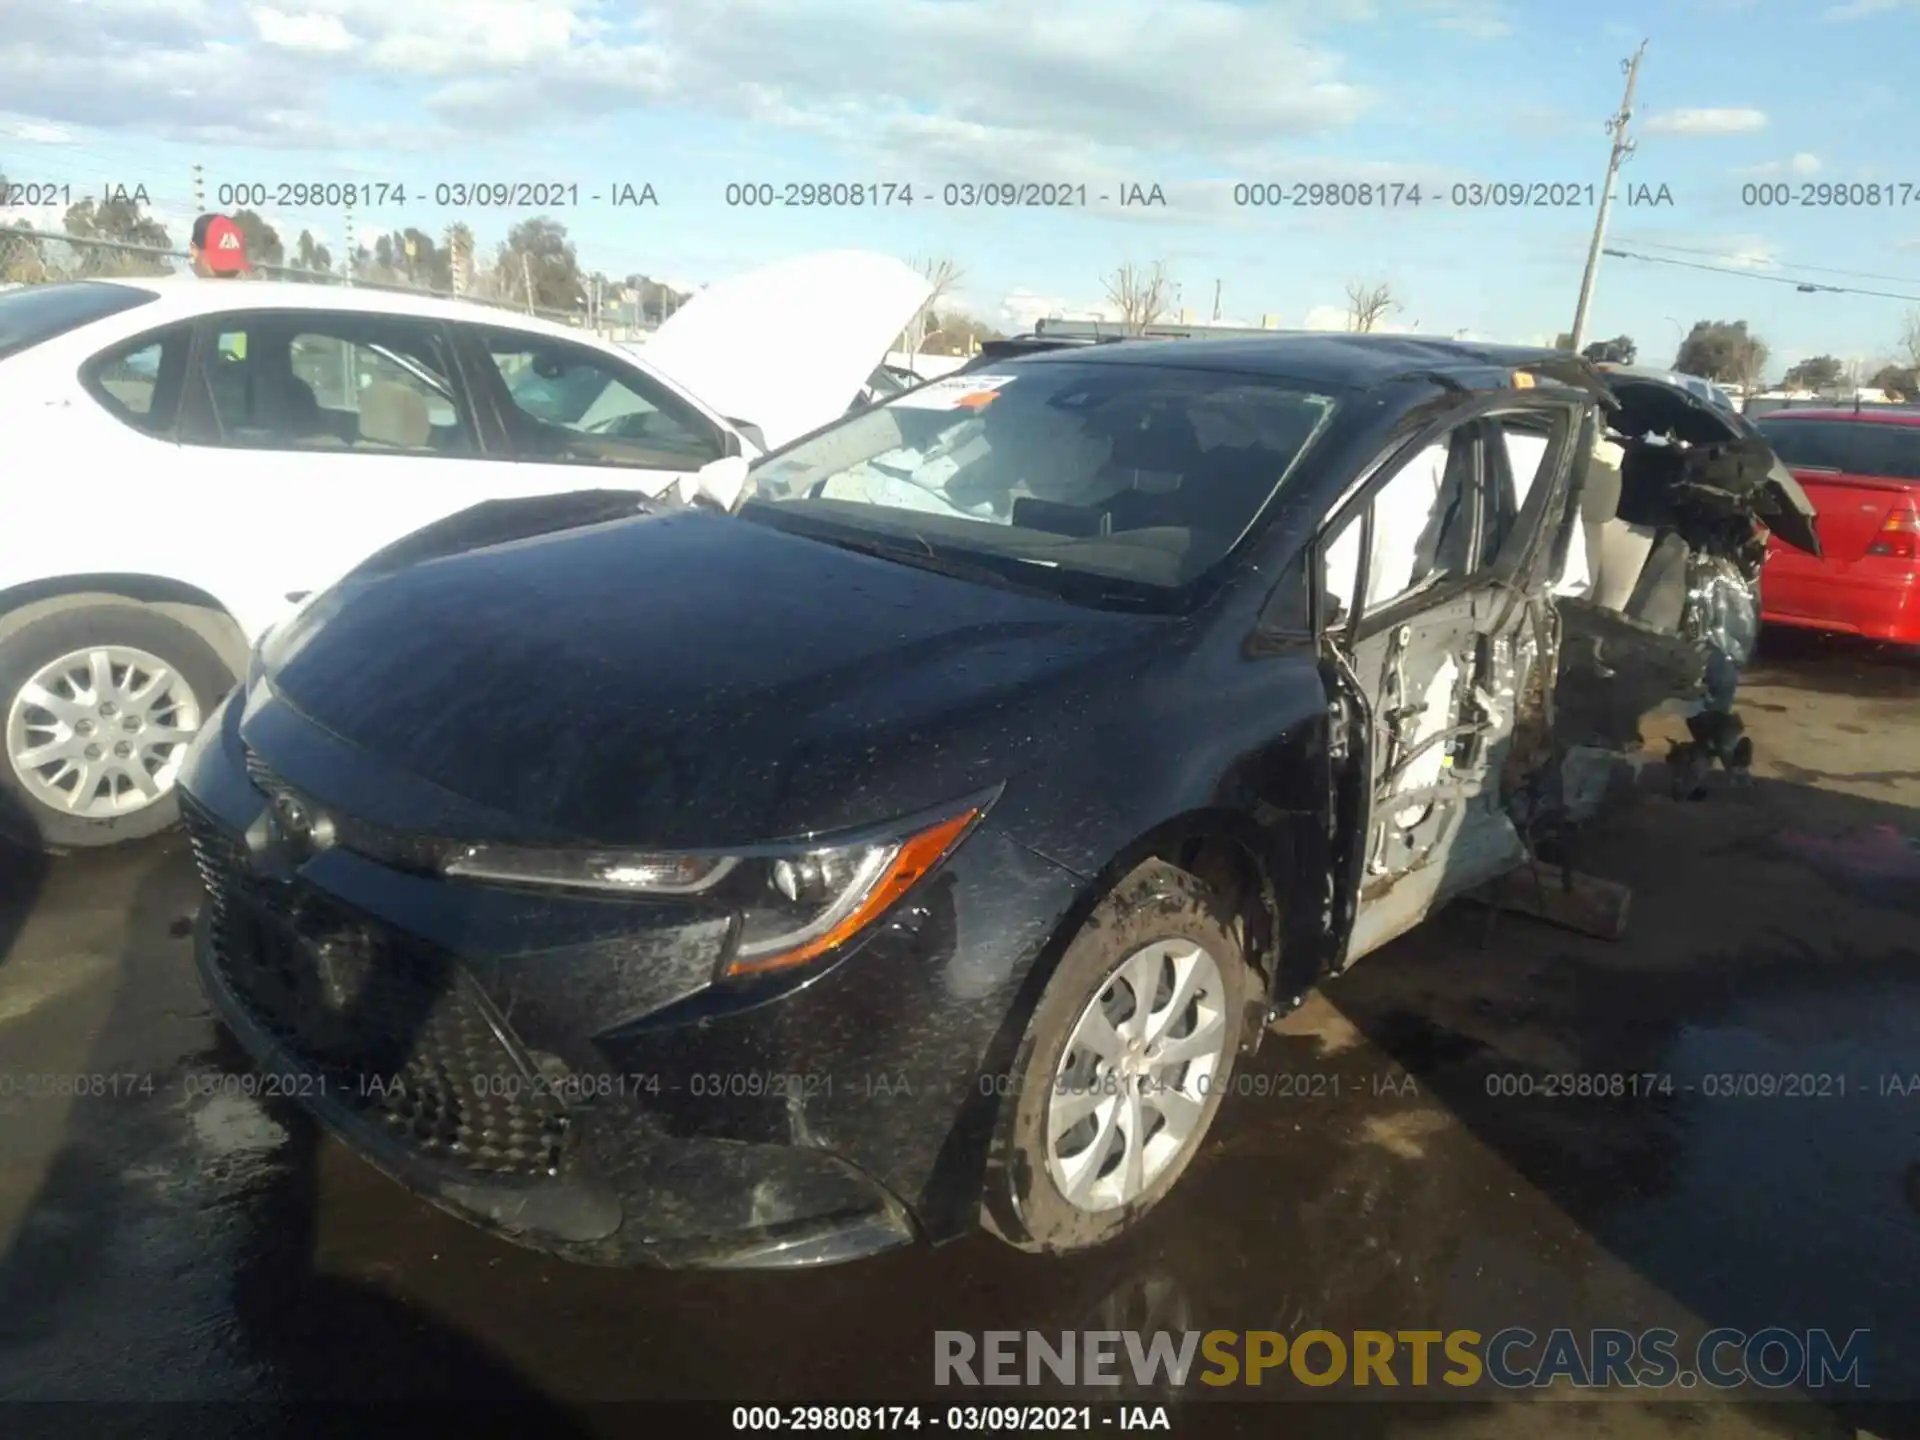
[(1816, 269), (1805, 285)]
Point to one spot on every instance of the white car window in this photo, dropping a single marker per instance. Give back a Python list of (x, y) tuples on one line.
[(138, 381), (340, 372), (369, 383), (572, 405)]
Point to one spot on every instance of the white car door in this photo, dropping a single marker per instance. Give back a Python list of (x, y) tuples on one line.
[(317, 437)]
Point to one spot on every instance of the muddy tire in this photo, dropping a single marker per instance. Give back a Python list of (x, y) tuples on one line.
[(1157, 913), (116, 684)]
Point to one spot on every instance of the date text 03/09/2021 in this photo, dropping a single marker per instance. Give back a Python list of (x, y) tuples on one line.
[(950, 1419)]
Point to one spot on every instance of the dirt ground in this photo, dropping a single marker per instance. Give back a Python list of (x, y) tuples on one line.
[(167, 1245)]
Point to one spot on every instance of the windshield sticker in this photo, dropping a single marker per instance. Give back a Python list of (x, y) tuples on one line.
[(957, 392)]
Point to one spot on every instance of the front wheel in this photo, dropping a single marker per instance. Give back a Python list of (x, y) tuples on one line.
[(1123, 1065), (99, 704)]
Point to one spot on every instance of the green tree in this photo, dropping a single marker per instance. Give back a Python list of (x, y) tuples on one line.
[(21, 260), (121, 222), (654, 300), (1901, 380), (310, 254), (538, 266), (262, 240), (1816, 372), (1723, 350)]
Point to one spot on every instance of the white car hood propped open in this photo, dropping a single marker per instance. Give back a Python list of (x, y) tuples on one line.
[(787, 347)]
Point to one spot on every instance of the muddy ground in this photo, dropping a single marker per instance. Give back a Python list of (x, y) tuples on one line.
[(162, 1246)]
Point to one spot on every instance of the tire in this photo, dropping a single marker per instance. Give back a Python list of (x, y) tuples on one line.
[(199, 676), (1023, 1203)]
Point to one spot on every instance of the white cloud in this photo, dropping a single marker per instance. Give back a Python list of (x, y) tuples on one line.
[(314, 33), (975, 83), (1019, 309), (1734, 121), (1478, 19), (1325, 317), (1801, 164), (1861, 9), (35, 132), (1735, 251)]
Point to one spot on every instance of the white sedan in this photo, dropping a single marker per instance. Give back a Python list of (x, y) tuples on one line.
[(188, 459)]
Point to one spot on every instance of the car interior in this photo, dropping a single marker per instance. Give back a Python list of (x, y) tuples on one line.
[(267, 391), (1666, 482)]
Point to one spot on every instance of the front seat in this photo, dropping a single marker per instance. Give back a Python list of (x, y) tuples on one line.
[(394, 417), (1617, 550)]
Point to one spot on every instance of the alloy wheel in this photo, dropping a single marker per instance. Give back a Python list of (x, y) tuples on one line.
[(1133, 1081), (101, 732)]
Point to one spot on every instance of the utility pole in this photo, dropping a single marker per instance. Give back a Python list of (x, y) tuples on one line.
[(353, 255), (1216, 302), (1623, 146)]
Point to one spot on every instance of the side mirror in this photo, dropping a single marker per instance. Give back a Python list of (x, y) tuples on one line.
[(720, 484)]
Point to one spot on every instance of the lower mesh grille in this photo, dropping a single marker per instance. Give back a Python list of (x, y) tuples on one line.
[(395, 1030)]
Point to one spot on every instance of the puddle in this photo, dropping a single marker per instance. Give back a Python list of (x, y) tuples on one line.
[(1800, 1125)]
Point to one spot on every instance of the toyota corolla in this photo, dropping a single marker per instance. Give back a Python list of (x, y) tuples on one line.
[(923, 842)]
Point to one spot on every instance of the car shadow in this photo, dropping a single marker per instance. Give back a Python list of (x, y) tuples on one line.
[(23, 873), (1754, 1153)]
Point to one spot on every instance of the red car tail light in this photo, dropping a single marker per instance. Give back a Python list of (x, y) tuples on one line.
[(1899, 536)]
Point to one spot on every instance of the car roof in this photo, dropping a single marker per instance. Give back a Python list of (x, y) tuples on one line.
[(1323, 357), (188, 295), (1870, 415)]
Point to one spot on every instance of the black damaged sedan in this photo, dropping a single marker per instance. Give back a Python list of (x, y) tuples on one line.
[(921, 843)]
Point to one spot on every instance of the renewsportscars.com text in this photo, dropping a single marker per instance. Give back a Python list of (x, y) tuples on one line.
[(1775, 1358)]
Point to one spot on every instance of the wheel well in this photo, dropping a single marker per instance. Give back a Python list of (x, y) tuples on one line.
[(1207, 846), (188, 605)]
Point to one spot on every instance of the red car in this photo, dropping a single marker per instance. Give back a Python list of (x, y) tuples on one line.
[(1861, 469)]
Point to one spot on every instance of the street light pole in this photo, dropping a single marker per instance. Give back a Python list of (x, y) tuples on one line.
[(1622, 147)]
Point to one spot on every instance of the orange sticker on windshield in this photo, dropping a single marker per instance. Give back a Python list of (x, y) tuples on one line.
[(956, 392)]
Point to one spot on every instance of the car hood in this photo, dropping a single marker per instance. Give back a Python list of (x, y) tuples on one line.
[(787, 347), (690, 679)]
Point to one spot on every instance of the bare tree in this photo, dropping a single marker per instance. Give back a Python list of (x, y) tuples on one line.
[(1140, 296), (1910, 339), (1367, 305), (944, 277)]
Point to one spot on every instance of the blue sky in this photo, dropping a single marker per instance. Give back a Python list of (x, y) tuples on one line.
[(1191, 95)]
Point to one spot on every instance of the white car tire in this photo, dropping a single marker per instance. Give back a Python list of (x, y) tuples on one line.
[(87, 694)]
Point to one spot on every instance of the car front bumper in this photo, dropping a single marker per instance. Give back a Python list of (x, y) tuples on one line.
[(566, 1072)]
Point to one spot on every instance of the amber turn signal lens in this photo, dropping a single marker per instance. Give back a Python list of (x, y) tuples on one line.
[(918, 854)]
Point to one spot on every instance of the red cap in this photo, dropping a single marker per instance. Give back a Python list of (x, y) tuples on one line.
[(222, 248)]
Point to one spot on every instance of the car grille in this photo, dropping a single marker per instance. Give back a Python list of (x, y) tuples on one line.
[(395, 1029)]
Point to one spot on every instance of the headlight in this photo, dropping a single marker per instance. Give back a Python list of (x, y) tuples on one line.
[(792, 906)]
